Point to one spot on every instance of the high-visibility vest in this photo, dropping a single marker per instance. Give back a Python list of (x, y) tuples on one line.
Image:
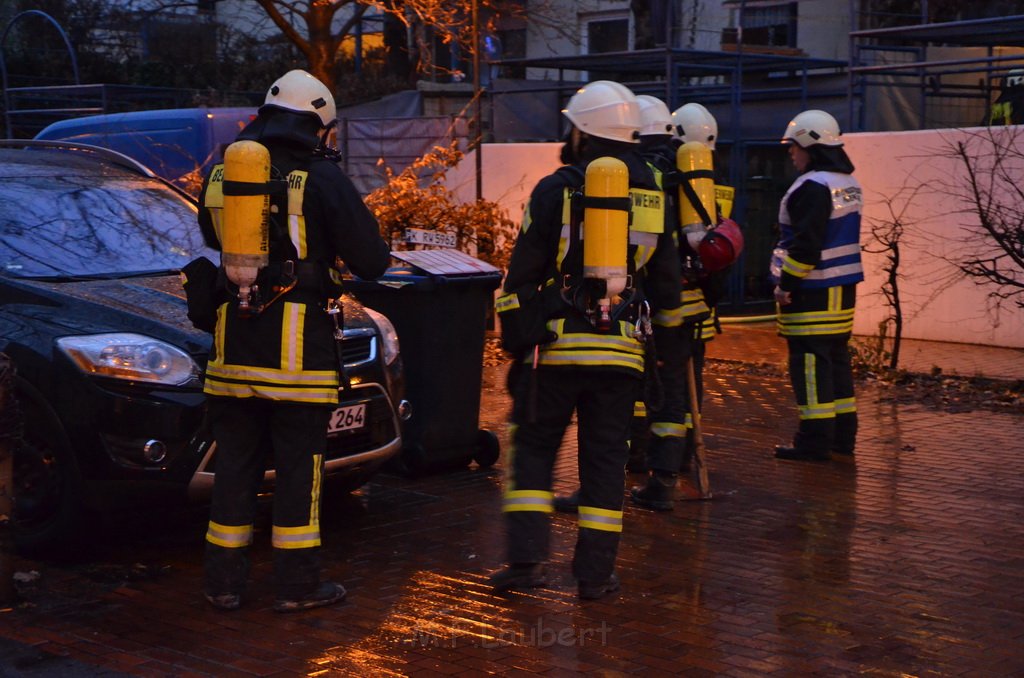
[(840, 254)]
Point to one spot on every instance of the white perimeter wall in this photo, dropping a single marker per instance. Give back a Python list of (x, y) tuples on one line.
[(510, 171), (912, 173), (908, 173)]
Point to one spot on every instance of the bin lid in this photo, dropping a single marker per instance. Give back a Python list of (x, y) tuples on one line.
[(445, 262)]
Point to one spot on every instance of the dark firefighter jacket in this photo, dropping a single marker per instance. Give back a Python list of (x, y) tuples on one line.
[(288, 351), (545, 253)]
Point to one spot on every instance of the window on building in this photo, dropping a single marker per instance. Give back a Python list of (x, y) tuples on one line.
[(513, 46), (772, 24), (607, 35), (603, 34)]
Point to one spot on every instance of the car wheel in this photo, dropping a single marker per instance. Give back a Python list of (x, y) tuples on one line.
[(488, 449), (47, 483)]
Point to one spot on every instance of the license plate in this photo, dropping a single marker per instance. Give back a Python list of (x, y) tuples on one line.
[(348, 418)]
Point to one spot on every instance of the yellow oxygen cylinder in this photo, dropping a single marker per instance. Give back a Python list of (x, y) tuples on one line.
[(245, 237), (693, 160), (606, 230)]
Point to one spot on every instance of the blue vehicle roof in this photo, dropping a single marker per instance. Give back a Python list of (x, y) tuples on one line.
[(179, 144)]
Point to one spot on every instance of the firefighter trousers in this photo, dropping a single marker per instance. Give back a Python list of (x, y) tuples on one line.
[(250, 434), (603, 402), (671, 423), (822, 379)]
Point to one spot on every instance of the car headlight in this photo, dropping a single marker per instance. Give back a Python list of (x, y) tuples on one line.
[(132, 357), (388, 335)]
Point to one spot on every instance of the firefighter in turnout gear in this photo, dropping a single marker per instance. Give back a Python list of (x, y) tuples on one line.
[(655, 135), (670, 423), (273, 375), (1008, 108), (694, 122), (817, 266), (571, 353)]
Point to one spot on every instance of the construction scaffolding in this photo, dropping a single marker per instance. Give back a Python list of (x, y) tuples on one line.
[(724, 81), (916, 76), (931, 75), (752, 94)]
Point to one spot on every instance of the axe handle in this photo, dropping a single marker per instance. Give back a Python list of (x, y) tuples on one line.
[(699, 451)]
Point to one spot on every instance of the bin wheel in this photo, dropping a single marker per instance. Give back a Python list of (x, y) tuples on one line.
[(487, 448)]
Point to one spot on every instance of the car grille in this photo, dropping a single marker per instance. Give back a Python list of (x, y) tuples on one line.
[(358, 346)]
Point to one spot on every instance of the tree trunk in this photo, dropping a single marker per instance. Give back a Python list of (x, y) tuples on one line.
[(322, 44), (897, 309)]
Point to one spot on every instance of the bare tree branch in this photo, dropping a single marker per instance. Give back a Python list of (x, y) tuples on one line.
[(993, 251)]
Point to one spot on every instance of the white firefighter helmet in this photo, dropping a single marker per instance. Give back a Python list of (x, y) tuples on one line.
[(654, 116), (1015, 78), (693, 122), (605, 109), (299, 91), (812, 128)]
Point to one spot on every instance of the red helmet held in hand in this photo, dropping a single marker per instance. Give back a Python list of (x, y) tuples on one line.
[(721, 246)]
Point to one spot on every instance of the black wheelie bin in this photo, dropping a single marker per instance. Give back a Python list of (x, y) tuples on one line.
[(438, 301)]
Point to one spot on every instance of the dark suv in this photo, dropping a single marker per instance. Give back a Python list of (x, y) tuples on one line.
[(109, 369)]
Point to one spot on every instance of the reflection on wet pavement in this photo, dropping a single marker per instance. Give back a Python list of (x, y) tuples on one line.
[(908, 562)]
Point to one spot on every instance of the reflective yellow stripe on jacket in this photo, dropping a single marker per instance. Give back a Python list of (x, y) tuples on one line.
[(289, 381), (214, 200), (592, 349), (707, 328), (833, 320), (296, 221), (618, 348), (694, 307), (648, 223)]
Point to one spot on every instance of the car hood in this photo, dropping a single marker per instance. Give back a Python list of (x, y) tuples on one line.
[(153, 306)]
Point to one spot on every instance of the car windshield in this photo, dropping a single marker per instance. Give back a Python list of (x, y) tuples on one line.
[(91, 219)]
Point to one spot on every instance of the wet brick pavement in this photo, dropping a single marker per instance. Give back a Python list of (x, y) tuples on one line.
[(909, 562)]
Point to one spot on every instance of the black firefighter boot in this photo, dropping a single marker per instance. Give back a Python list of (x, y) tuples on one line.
[(659, 493)]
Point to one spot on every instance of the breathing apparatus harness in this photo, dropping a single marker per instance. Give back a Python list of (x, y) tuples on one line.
[(678, 183), (250, 232), (247, 271), (582, 287), (676, 180), (603, 294), (608, 289)]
